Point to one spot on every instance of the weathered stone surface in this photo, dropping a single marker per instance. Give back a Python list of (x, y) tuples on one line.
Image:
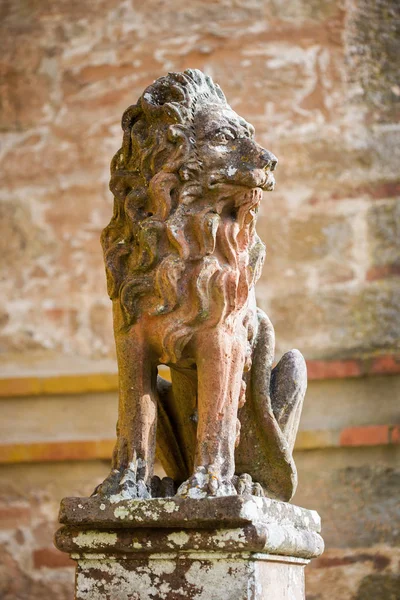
[(269, 538), (226, 548), (228, 511), (196, 577)]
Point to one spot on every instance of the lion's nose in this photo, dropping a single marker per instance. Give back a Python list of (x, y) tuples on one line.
[(269, 159)]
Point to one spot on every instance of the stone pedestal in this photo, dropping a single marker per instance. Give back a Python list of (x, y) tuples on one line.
[(236, 548)]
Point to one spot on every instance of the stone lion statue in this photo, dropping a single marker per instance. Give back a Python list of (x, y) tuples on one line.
[(182, 258)]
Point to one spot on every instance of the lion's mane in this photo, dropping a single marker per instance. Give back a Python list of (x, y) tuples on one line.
[(159, 230)]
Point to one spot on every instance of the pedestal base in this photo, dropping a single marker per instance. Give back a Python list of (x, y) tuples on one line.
[(234, 548), (196, 576)]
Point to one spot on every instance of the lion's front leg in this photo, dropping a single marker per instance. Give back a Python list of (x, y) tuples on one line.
[(133, 457), (220, 361)]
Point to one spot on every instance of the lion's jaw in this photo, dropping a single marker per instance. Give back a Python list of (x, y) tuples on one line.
[(232, 177)]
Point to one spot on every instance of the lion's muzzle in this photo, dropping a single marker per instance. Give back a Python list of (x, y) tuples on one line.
[(270, 160)]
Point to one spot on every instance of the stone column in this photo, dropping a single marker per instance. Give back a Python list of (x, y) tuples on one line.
[(228, 548)]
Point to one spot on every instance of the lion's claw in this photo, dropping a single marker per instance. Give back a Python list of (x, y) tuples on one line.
[(123, 485), (257, 490), (131, 486), (206, 482), (245, 486)]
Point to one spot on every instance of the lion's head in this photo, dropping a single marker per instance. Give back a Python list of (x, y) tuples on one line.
[(188, 178)]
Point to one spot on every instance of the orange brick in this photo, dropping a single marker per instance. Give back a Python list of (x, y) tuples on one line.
[(394, 434), (387, 189), (385, 365), (52, 558), (371, 435), (333, 369), (381, 272), (56, 450), (13, 516)]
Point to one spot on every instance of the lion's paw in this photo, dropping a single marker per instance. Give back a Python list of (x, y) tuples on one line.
[(245, 486), (130, 487), (206, 482), (122, 485)]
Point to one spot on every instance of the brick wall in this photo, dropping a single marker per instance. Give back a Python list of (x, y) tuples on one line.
[(319, 82)]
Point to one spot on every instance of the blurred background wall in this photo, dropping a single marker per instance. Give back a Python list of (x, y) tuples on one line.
[(319, 80)]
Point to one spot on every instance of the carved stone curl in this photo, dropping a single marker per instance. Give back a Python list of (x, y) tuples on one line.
[(182, 258)]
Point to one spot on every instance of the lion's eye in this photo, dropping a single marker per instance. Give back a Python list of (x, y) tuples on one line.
[(223, 136)]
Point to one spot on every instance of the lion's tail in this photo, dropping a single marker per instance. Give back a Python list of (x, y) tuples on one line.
[(265, 452)]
